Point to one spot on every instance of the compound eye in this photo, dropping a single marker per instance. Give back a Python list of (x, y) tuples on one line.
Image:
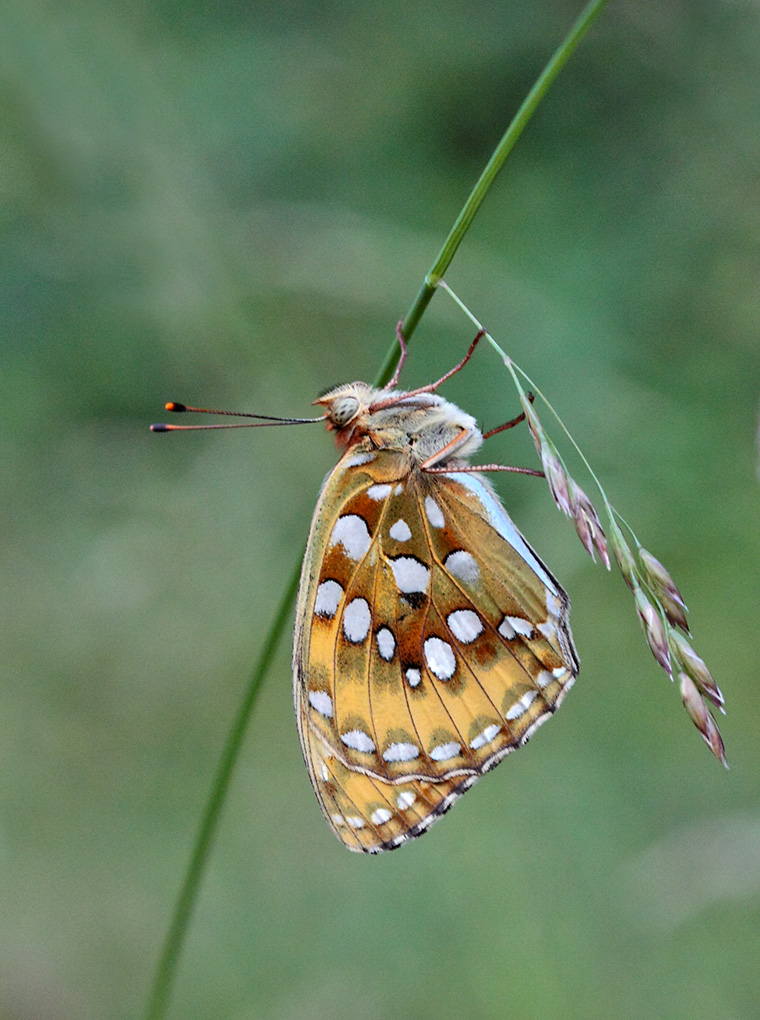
[(343, 410)]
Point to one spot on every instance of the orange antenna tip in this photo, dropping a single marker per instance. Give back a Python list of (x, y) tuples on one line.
[(173, 406)]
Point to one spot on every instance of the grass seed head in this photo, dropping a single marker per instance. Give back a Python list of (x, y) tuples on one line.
[(654, 629), (587, 524), (623, 556), (663, 586), (700, 715), (691, 664)]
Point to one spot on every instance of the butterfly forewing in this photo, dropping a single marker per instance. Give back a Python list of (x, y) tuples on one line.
[(430, 641)]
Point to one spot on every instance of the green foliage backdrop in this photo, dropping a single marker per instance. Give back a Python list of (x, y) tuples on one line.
[(232, 204)]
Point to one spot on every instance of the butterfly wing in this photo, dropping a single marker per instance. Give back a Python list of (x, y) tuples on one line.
[(370, 814), (430, 642)]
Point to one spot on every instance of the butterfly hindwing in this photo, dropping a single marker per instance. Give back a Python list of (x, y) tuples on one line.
[(372, 815)]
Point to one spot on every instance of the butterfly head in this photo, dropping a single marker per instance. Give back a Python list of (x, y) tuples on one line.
[(346, 406)]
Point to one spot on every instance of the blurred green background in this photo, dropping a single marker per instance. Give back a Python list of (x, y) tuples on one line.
[(232, 204)]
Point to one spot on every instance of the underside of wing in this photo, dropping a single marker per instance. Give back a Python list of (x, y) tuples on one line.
[(371, 815), (430, 642)]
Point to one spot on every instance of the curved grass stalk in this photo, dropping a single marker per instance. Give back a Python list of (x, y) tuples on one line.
[(515, 371), (658, 602)]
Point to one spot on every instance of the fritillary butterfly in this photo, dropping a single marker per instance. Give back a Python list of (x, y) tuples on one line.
[(430, 639)]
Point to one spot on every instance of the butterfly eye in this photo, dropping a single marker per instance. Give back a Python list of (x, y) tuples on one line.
[(343, 410)]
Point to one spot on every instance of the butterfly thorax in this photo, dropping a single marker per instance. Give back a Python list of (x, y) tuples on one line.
[(423, 425)]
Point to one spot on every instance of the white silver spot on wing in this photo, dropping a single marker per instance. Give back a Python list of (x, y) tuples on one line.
[(329, 594), (355, 822), (322, 702), (465, 625), (500, 520), (405, 799), (545, 678), (352, 533), (518, 626), (413, 676), (400, 531), (381, 816), (358, 740), (386, 643), (440, 658), (549, 630), (488, 734), (463, 565), (506, 629), (434, 513), (521, 707), (378, 492), (338, 819), (362, 457), (356, 620), (445, 752), (559, 672), (411, 575), (401, 752)]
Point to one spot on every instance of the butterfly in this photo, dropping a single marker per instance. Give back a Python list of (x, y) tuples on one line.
[(430, 639)]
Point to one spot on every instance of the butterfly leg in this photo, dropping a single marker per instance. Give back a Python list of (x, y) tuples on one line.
[(510, 424), (475, 469), (431, 387), (446, 451), (402, 358), (451, 447)]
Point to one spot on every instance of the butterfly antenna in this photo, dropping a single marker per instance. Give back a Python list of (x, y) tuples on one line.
[(262, 419)]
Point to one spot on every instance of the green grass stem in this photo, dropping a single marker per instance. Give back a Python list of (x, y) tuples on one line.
[(463, 221), (175, 936)]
